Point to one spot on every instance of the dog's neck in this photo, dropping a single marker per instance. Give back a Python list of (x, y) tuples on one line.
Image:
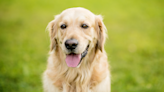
[(72, 76)]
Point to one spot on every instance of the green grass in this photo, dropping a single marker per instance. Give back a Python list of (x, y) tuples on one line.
[(135, 43)]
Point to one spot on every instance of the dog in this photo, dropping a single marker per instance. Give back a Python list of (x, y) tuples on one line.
[(77, 61)]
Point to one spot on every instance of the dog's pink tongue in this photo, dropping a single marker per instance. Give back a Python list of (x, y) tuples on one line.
[(73, 60)]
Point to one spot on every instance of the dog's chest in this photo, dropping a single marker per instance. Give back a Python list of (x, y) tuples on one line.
[(75, 87), (76, 84)]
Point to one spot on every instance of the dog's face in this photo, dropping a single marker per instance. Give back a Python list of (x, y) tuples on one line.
[(76, 31)]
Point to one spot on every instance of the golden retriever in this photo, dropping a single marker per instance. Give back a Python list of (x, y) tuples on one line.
[(77, 61)]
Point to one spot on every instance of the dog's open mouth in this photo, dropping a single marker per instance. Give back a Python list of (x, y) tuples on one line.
[(73, 60)]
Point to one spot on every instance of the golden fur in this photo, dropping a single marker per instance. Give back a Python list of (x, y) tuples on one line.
[(92, 75)]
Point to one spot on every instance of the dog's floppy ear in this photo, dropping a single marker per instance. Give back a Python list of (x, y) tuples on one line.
[(101, 32), (52, 27)]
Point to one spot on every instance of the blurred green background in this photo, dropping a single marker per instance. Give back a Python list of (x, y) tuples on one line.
[(135, 43)]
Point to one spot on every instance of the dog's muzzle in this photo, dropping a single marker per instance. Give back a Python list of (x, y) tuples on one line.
[(73, 59)]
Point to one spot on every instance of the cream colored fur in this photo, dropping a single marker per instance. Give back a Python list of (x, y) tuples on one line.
[(92, 75)]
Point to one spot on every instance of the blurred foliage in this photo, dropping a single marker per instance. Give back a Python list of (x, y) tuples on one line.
[(135, 43)]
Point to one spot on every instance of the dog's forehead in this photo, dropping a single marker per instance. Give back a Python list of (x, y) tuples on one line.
[(74, 13)]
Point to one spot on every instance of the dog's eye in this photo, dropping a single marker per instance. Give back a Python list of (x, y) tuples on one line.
[(84, 26), (63, 26)]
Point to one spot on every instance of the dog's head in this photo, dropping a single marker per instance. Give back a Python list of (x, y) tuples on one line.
[(77, 31)]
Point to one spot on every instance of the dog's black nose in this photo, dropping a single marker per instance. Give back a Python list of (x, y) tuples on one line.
[(71, 44)]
